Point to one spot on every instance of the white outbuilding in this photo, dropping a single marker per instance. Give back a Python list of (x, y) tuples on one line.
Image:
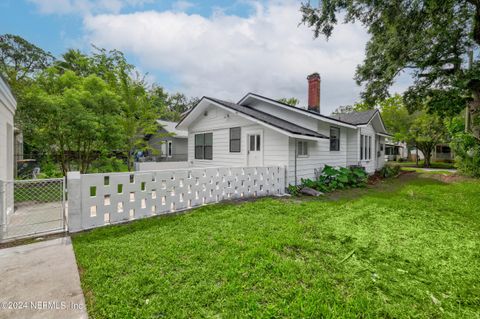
[(8, 106)]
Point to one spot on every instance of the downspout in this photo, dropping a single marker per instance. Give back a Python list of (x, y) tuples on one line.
[(295, 156)]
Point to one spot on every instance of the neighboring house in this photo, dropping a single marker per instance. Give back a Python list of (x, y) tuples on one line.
[(259, 131), (170, 144), (8, 106), (441, 153), (400, 151), (395, 151)]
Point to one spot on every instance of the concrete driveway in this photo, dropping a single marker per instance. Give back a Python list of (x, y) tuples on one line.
[(40, 280)]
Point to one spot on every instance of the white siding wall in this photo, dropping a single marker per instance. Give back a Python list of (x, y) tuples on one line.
[(381, 159), (353, 148), (275, 144), (7, 109), (370, 165), (319, 155)]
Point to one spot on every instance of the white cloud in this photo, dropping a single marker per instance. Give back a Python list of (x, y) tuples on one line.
[(85, 7), (227, 56), (182, 5)]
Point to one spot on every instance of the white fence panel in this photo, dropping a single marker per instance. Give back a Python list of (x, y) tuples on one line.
[(155, 166), (101, 199)]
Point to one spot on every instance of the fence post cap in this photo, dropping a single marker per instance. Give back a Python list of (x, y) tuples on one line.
[(73, 175)]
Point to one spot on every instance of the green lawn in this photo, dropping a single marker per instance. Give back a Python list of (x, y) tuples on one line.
[(410, 247), (443, 165)]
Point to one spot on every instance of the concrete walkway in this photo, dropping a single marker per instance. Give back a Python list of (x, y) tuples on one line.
[(40, 280), (450, 170)]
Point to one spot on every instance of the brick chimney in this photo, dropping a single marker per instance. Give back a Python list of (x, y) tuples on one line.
[(314, 92)]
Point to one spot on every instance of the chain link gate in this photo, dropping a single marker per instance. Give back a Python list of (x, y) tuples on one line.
[(33, 207)]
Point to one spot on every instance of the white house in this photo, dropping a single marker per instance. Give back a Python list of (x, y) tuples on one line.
[(7, 112), (259, 131), (170, 144)]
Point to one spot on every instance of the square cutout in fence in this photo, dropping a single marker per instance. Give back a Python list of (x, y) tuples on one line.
[(154, 194), (144, 203), (131, 213), (154, 209), (143, 186), (106, 200), (93, 191), (106, 180), (180, 182), (164, 200), (120, 188), (132, 178), (106, 217), (120, 207), (93, 211), (132, 196)]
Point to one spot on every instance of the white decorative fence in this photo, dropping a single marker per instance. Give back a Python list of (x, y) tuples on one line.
[(96, 200)]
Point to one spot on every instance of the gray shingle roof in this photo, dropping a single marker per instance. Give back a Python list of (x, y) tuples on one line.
[(294, 107), (269, 119), (170, 127), (356, 118)]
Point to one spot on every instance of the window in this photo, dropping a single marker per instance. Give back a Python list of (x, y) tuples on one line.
[(235, 138), (302, 148), (203, 146), (169, 149), (365, 147), (443, 149), (254, 142), (334, 139), (369, 147), (361, 147)]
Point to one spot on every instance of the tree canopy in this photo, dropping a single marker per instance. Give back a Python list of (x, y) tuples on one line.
[(84, 108), (432, 40)]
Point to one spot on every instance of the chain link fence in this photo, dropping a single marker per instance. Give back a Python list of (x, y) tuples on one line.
[(33, 207)]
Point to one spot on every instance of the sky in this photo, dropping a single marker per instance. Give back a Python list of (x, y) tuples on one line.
[(217, 48)]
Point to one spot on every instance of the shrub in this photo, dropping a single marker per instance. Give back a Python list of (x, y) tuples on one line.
[(467, 154), (332, 178), (389, 171)]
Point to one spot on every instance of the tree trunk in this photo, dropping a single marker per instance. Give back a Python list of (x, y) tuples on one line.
[(428, 155)]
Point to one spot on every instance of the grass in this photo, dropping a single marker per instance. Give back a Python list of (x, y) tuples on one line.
[(422, 171), (443, 165), (407, 248)]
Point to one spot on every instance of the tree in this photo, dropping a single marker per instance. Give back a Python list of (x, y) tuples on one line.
[(396, 117), (290, 101), (432, 40), (21, 60), (425, 133), (72, 118), (356, 107)]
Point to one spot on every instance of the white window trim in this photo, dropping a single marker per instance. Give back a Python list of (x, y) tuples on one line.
[(302, 155), (367, 145)]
